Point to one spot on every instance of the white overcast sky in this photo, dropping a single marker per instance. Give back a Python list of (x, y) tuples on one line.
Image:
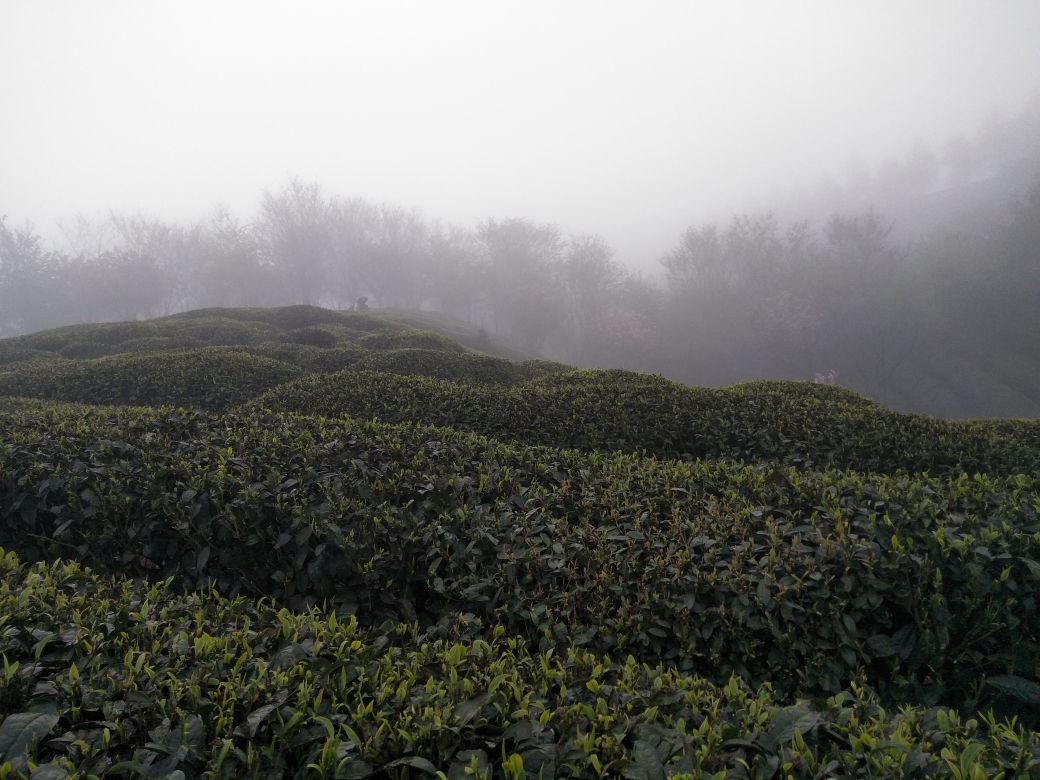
[(631, 120)]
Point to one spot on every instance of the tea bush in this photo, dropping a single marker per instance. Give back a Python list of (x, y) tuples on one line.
[(797, 423), (212, 378), (311, 359), (98, 340), (409, 338), (303, 325), (200, 328), (115, 677), (761, 556), (456, 366), (286, 318), (922, 586), (312, 336), (10, 354)]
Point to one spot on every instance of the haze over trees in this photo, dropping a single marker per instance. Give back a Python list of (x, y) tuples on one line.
[(916, 286)]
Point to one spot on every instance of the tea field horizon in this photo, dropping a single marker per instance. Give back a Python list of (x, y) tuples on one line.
[(298, 542)]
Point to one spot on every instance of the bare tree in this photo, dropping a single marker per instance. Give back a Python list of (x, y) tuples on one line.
[(231, 268), (524, 288), (26, 274), (592, 280), (396, 261), (456, 276), (296, 226), (699, 260), (155, 254), (354, 235)]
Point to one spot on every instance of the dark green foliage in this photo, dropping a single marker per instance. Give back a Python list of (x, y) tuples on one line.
[(468, 335), (709, 533), (409, 338), (85, 350), (11, 353), (211, 378), (92, 341), (921, 586), (456, 366), (108, 678), (326, 348), (312, 336), (798, 423), (299, 325), (350, 326), (200, 328), (311, 359), (288, 318)]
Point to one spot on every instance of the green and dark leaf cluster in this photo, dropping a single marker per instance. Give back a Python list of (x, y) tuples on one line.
[(115, 678), (796, 423), (212, 378), (303, 543), (925, 585)]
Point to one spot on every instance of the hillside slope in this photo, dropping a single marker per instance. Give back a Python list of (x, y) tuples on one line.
[(313, 361), (305, 325), (228, 535), (798, 423), (714, 566)]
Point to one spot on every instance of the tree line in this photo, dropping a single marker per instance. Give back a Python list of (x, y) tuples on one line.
[(946, 324), (524, 280)]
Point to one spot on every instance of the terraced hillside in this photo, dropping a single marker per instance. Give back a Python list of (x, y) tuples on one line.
[(299, 543)]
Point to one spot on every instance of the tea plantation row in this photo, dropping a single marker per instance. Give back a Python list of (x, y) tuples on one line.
[(219, 378), (535, 402), (297, 573), (109, 678), (293, 325), (924, 587), (791, 422)]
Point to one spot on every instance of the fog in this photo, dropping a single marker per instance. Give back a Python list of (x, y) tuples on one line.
[(626, 120), (609, 184)]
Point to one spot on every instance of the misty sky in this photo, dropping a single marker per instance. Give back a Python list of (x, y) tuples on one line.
[(628, 120)]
